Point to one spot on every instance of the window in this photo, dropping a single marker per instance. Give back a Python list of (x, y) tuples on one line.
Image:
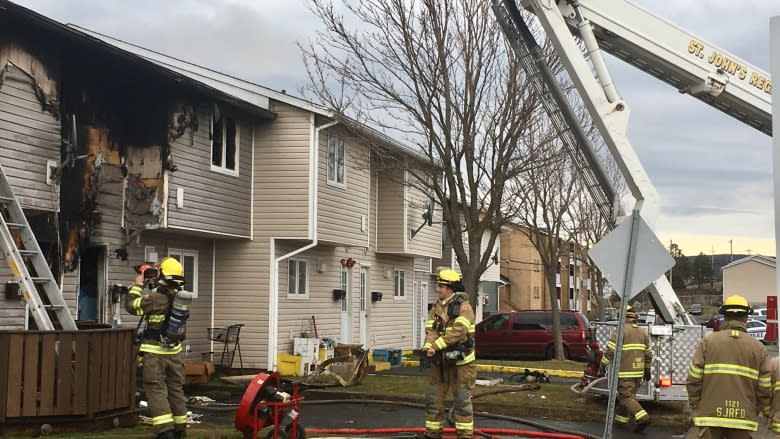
[(497, 323), (399, 284), (297, 277), (571, 293), (337, 153), (558, 267), (189, 260), (224, 143), (571, 270), (558, 293)]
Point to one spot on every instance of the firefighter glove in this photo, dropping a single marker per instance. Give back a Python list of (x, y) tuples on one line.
[(647, 375)]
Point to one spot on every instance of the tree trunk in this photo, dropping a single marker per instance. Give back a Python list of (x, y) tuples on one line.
[(556, 314)]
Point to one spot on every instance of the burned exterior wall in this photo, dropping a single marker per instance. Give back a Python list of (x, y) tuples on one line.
[(203, 196), (116, 149), (29, 128)]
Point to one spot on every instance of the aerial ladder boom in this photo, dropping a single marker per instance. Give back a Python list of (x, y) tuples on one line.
[(663, 50)]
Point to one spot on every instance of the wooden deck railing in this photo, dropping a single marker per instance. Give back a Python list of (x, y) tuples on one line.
[(66, 373)]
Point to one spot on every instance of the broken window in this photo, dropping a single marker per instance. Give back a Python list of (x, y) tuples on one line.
[(336, 160), (224, 142)]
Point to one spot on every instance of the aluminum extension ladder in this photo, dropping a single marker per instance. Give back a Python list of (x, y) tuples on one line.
[(39, 288)]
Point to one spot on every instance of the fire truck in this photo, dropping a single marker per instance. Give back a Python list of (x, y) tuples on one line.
[(682, 60)]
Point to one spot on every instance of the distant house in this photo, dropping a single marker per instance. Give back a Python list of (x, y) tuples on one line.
[(752, 276), (278, 211)]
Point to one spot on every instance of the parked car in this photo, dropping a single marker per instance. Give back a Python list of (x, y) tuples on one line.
[(529, 334), (756, 329), (759, 314), (695, 310)]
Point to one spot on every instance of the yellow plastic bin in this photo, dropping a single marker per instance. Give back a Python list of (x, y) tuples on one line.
[(289, 365)]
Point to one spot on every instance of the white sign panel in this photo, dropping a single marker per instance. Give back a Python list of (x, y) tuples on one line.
[(651, 259)]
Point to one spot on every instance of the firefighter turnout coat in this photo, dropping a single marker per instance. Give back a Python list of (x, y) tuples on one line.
[(635, 355), (154, 307), (443, 331), (729, 380), (773, 414)]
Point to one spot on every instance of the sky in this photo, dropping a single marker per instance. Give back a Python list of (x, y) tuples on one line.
[(712, 173)]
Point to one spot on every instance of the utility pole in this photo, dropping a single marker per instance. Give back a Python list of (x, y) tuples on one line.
[(731, 250)]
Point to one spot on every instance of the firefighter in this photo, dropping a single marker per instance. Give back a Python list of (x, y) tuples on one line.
[(163, 371), (729, 379), (449, 344), (635, 360), (773, 412)]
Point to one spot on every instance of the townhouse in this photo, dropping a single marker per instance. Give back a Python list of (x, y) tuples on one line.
[(286, 220)]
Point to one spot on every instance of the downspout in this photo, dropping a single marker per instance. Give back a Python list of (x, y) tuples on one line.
[(273, 296)]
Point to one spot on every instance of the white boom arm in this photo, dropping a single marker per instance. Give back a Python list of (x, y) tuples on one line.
[(665, 51)]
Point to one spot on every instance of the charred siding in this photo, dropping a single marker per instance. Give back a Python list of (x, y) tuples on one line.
[(29, 137), (213, 201)]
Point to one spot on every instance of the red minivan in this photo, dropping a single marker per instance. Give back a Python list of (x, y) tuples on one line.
[(529, 334)]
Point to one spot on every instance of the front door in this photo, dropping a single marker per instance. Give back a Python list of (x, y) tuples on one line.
[(363, 320), (346, 313), (420, 313)]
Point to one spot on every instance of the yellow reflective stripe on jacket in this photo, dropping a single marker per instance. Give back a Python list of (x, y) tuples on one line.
[(426, 346), (731, 369), (774, 426), (622, 419), (611, 345), (163, 419), (696, 372), (463, 321), (180, 419), (467, 359), (429, 324), (765, 382), (160, 350), (631, 374), (604, 360), (634, 347), (711, 421), (640, 414), (156, 318), (777, 386), (439, 343), (137, 306)]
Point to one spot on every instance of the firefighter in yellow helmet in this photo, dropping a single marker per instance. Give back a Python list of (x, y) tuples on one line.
[(151, 297), (449, 343), (729, 381), (635, 360)]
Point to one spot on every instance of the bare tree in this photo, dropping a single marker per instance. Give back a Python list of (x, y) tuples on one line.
[(545, 195), (440, 76)]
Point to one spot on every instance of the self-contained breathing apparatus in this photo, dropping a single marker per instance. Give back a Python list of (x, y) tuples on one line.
[(169, 281)]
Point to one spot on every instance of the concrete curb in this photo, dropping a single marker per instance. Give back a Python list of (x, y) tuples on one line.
[(492, 368)]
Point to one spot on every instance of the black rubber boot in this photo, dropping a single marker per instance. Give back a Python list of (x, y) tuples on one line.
[(179, 434), (641, 425)]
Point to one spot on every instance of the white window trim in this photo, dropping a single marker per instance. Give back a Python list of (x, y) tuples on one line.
[(395, 293), (329, 181), (298, 296), (222, 169), (181, 253)]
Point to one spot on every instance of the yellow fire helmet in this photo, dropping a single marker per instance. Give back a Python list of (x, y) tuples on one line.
[(630, 314), (171, 272), (735, 305), (448, 277)]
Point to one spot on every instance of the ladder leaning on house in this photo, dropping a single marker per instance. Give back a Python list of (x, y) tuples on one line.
[(29, 266)]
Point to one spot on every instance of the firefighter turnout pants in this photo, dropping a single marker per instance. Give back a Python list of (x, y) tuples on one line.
[(460, 379), (163, 378), (628, 409)]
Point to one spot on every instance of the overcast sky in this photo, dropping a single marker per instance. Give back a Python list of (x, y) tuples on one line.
[(713, 174)]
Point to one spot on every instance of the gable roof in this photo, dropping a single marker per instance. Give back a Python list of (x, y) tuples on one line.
[(240, 89), (761, 259)]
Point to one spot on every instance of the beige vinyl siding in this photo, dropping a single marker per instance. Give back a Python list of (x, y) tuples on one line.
[(423, 264), (295, 314), (28, 138), (282, 156), (213, 201), (391, 226), (427, 241), (342, 208), (492, 273), (752, 279), (241, 296)]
